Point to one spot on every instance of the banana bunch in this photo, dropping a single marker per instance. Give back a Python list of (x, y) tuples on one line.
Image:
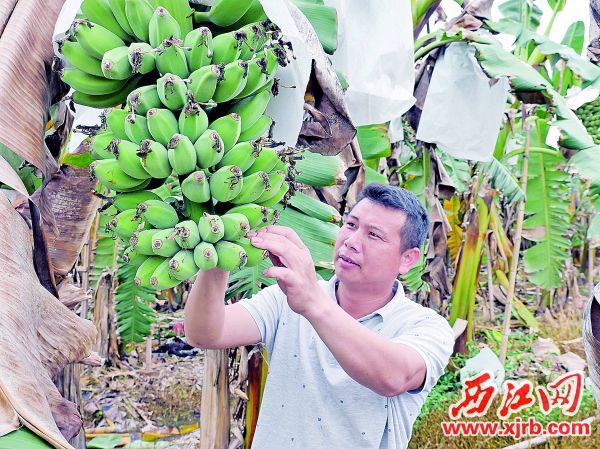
[(183, 104), (589, 114)]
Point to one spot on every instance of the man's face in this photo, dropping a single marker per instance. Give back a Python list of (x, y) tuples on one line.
[(367, 249)]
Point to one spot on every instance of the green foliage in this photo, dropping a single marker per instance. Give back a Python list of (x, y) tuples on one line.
[(23, 438), (134, 314), (547, 219), (503, 180), (373, 141), (458, 170)]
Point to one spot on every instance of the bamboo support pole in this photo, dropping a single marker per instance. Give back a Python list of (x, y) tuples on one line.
[(516, 240)]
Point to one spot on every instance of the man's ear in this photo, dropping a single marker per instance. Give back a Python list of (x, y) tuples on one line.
[(409, 259)]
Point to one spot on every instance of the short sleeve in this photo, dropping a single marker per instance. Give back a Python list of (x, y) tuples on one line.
[(432, 337), (266, 308)]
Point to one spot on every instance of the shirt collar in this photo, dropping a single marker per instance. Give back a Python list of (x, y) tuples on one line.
[(384, 311)]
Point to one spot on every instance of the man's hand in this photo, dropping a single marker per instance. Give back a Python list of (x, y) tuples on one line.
[(293, 266)]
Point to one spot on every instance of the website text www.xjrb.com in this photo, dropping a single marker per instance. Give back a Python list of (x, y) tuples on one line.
[(517, 428), (478, 392)]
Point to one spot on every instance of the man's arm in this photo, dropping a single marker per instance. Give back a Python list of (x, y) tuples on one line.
[(385, 367), (209, 323)]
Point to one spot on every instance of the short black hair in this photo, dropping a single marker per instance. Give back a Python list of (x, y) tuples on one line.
[(414, 230)]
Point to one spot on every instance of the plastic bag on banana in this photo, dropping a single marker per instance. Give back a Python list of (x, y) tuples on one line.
[(287, 108), (375, 54), (464, 107)]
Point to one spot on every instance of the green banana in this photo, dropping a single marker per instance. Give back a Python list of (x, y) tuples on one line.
[(254, 13), (139, 13), (205, 256), (162, 124), (172, 91), (224, 13), (276, 179), (203, 82), (193, 210), (171, 58), (100, 12), (115, 64), (254, 186), (136, 128), (258, 130), (256, 77), (277, 197), (146, 270), (235, 225), (233, 82), (226, 183), (211, 228), (256, 214), (187, 234), (155, 159), (109, 173), (164, 244), (124, 224), (315, 208), (89, 84), (229, 128), (227, 47), (162, 26), (126, 154), (182, 154), (231, 256), (196, 187), (266, 161), (181, 11), (94, 38), (118, 9), (108, 100), (241, 155), (142, 241), (100, 143), (113, 119), (142, 57), (250, 109), (209, 149), (79, 58), (257, 35), (158, 213), (198, 48), (161, 278), (193, 121), (182, 265), (126, 201), (255, 255), (142, 99)]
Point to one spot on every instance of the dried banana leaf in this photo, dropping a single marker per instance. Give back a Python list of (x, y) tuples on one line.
[(38, 337), (28, 84)]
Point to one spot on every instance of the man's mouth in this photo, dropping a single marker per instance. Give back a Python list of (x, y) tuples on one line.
[(348, 260)]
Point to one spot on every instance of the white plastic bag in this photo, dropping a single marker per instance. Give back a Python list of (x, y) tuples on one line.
[(287, 108), (463, 108), (375, 54)]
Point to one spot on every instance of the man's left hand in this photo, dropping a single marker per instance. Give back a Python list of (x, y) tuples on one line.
[(293, 267)]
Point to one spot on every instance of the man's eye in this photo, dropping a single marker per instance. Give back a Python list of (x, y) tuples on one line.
[(350, 225), (372, 234)]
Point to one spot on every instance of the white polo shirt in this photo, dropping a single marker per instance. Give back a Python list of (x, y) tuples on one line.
[(310, 402)]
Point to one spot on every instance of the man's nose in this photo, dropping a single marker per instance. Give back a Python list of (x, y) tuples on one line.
[(353, 242)]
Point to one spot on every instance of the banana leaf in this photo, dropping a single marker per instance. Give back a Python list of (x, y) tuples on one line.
[(40, 337), (134, 314), (503, 180), (23, 439), (373, 141), (547, 215), (324, 21)]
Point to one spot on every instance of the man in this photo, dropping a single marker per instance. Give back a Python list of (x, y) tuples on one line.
[(351, 360)]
